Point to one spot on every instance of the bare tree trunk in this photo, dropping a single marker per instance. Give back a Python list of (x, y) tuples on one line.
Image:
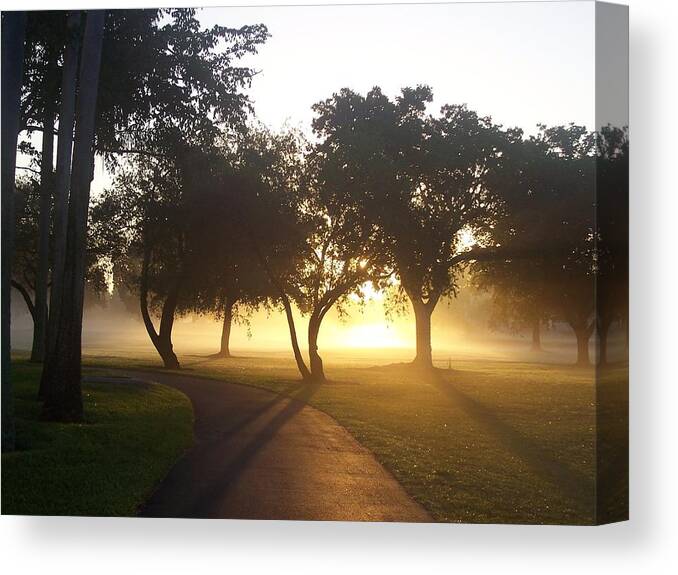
[(63, 400), (583, 334), (13, 35), (536, 335), (301, 364), (61, 187), (316, 362), (44, 217), (165, 347), (225, 350), (422, 316)]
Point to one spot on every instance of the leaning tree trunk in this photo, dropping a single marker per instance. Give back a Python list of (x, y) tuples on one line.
[(13, 35), (224, 350), (61, 188), (536, 335), (44, 216), (287, 306), (63, 399), (301, 364), (27, 298), (316, 362), (161, 339)]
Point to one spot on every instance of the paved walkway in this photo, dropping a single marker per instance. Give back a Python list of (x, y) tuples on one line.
[(258, 455)]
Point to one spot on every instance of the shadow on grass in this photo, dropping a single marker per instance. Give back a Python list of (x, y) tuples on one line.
[(574, 484)]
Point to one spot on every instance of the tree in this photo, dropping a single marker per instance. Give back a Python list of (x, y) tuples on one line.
[(269, 213), (546, 229), (227, 282), (62, 184), (568, 228), (612, 219), (314, 249), (142, 222), (421, 179), (63, 399), (13, 35), (45, 38), (516, 281)]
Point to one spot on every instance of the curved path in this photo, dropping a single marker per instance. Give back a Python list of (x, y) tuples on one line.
[(258, 455)]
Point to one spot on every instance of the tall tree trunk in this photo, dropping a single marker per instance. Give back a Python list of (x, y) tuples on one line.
[(536, 335), (63, 399), (224, 350), (44, 217), (61, 188), (316, 362), (161, 339), (422, 317), (582, 348), (13, 35)]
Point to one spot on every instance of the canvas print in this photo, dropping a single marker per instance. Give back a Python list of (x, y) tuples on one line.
[(342, 262)]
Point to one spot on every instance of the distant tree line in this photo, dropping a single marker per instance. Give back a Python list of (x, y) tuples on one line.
[(212, 213)]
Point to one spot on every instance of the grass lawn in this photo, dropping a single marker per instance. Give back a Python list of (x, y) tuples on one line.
[(105, 466), (482, 442)]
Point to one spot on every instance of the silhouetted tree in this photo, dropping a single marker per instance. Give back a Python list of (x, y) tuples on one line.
[(421, 179), (227, 282), (62, 182), (63, 395), (612, 219), (45, 39), (143, 222), (13, 36), (546, 229), (273, 218)]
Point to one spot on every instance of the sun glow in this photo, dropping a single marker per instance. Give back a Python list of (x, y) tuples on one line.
[(373, 335)]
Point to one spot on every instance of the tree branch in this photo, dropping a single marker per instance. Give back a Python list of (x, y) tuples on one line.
[(29, 169), (27, 297)]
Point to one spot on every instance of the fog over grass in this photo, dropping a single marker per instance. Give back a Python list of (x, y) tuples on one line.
[(368, 335)]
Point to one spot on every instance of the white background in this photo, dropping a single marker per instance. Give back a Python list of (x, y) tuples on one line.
[(645, 544)]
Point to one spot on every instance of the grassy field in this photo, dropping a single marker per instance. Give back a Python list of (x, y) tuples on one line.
[(105, 466), (482, 442)]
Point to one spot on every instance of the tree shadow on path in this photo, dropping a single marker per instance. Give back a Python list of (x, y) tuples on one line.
[(221, 464)]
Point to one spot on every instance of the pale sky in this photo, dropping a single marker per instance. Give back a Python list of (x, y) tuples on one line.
[(521, 63)]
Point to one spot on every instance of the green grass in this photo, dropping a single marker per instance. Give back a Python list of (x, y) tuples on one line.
[(483, 442), (107, 465)]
